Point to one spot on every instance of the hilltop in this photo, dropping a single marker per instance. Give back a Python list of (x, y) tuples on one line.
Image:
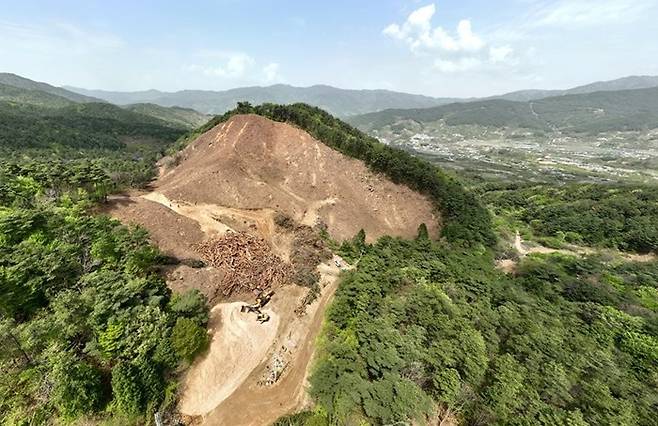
[(264, 185)]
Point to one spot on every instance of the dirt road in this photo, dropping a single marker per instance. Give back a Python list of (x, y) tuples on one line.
[(237, 340), (255, 405), (509, 265)]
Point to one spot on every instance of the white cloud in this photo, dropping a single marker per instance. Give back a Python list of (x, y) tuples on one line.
[(461, 51), (271, 72), (579, 13), (418, 33), (232, 64), (500, 54), (459, 65)]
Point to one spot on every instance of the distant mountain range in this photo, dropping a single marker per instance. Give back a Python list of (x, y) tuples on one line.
[(366, 108), (596, 112), (626, 83), (340, 102), (23, 92)]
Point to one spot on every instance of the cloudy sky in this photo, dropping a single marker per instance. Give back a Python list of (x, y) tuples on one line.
[(440, 48)]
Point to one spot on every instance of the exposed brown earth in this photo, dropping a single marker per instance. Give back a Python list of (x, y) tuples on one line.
[(250, 162), (253, 186), (173, 233)]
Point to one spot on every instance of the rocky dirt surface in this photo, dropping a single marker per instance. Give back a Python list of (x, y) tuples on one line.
[(252, 192), (250, 162), (238, 344)]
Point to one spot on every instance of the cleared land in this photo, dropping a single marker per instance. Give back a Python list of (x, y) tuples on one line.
[(250, 162), (253, 186), (237, 340)]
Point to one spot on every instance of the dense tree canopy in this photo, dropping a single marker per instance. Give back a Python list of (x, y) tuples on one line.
[(616, 216), (86, 325), (566, 341)]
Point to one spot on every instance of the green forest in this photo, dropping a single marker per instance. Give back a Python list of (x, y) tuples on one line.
[(420, 330), (89, 328), (566, 341), (618, 216), (81, 126), (90, 331)]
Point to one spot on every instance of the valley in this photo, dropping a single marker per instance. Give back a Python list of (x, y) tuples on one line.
[(601, 136), (519, 155)]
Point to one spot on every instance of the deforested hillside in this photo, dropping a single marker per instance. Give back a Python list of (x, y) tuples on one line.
[(258, 207), (250, 162), (463, 217)]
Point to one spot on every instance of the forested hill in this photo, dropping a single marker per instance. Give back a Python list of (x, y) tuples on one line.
[(24, 83), (17, 95), (174, 116), (36, 125), (91, 125), (580, 113)]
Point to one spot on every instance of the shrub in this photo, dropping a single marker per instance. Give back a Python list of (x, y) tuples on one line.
[(188, 338)]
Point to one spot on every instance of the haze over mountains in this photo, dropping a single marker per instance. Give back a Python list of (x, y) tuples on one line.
[(629, 103), (625, 83), (594, 112), (342, 102)]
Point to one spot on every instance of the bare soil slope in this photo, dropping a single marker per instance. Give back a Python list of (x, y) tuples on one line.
[(248, 191), (250, 162)]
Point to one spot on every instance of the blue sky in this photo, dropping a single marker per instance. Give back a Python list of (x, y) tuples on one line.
[(439, 48)]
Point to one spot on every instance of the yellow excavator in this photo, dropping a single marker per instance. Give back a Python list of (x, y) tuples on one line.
[(261, 300)]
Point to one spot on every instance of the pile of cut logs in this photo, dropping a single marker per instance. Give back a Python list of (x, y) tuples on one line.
[(248, 262)]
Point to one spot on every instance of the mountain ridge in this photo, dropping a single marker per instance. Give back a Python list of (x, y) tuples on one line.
[(587, 112), (344, 102), (15, 80), (623, 83)]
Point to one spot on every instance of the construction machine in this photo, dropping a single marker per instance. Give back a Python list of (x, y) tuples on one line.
[(261, 300), (262, 317)]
